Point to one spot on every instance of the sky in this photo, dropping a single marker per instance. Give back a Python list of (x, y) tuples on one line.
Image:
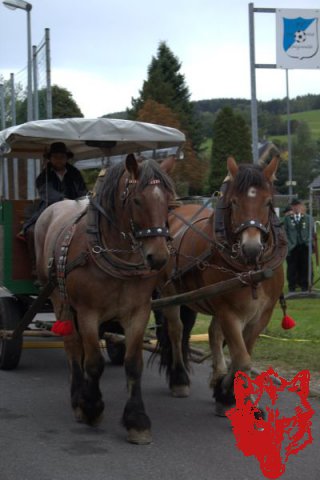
[(101, 49)]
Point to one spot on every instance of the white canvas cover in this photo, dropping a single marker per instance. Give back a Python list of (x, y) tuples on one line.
[(32, 139)]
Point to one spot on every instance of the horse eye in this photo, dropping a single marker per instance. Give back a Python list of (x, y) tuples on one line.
[(234, 202)]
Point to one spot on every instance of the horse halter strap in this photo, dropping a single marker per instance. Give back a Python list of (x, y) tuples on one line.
[(148, 231), (252, 223)]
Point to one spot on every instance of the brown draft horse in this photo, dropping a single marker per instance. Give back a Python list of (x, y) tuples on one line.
[(107, 254), (253, 240)]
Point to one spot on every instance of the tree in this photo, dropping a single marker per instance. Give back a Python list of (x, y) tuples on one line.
[(189, 173), (231, 136), (166, 86), (304, 153), (63, 105), (19, 95)]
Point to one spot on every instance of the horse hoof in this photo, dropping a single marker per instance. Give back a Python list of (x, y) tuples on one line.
[(78, 415), (139, 437), (81, 417), (220, 409), (180, 391)]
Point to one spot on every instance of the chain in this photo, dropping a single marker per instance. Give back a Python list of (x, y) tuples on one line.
[(97, 249), (203, 264)]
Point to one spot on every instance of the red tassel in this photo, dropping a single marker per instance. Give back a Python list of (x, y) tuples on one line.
[(62, 328), (288, 322)]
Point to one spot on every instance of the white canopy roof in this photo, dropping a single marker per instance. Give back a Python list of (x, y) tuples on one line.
[(86, 138)]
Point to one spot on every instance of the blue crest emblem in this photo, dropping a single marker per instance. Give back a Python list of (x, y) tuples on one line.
[(300, 37)]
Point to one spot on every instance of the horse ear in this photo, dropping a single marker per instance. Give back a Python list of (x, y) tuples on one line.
[(132, 165), (270, 170), (168, 164), (232, 167)]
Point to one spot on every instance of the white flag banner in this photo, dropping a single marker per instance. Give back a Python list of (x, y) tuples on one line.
[(297, 38)]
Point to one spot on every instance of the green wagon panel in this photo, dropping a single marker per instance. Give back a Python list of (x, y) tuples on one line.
[(15, 265)]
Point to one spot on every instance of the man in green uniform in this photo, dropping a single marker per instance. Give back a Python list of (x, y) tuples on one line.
[(297, 228)]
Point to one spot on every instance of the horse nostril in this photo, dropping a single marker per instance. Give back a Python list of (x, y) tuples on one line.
[(156, 262), (251, 252)]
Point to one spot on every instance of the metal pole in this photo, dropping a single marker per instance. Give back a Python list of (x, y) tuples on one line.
[(30, 162), (15, 160), (254, 109), (29, 110), (5, 175), (289, 138), (35, 84), (2, 160), (13, 100), (48, 69), (311, 227), (3, 108)]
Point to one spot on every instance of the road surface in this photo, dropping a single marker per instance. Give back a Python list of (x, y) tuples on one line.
[(40, 440)]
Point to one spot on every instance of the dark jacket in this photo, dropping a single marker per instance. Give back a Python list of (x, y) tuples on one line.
[(51, 189), (297, 232)]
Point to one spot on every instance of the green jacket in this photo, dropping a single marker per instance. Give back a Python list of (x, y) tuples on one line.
[(297, 232)]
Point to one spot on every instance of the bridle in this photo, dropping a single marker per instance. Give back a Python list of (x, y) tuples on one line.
[(265, 229), (136, 232), (269, 237), (109, 259)]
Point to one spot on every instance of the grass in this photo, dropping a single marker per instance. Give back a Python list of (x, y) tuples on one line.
[(284, 348), (312, 118)]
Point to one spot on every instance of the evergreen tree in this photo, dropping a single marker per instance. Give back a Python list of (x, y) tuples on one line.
[(231, 136), (166, 86)]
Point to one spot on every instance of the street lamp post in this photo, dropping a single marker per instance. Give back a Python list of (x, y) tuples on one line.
[(13, 4)]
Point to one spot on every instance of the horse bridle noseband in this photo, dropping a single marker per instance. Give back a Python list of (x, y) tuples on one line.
[(252, 223)]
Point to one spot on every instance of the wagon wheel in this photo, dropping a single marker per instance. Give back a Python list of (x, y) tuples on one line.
[(116, 350), (10, 349)]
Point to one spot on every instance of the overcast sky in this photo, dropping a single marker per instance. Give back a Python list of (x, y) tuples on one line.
[(101, 49)]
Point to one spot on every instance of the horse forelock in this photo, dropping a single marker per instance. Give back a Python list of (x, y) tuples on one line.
[(247, 176), (149, 170)]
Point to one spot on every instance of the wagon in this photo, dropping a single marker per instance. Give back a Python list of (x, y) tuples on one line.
[(100, 141)]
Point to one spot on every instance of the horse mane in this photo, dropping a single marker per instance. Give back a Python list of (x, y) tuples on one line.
[(248, 175), (148, 170)]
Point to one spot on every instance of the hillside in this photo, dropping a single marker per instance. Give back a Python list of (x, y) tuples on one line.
[(272, 114)]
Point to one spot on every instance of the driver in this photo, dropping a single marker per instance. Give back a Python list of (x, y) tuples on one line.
[(58, 180)]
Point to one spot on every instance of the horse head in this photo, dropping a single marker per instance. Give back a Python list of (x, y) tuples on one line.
[(249, 197), (137, 209)]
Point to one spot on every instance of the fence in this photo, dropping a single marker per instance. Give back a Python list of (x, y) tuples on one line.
[(17, 179), (14, 91)]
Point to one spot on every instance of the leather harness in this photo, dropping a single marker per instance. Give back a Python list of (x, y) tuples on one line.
[(97, 251)]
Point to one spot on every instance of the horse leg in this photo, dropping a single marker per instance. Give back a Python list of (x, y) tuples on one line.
[(219, 365), (74, 349), (87, 364), (134, 418), (231, 328), (174, 345), (253, 329)]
